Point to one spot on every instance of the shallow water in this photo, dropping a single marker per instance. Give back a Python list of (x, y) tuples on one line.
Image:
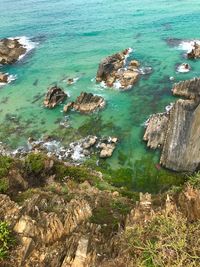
[(72, 37)]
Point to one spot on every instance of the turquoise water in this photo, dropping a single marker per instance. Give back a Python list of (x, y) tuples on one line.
[(72, 37)]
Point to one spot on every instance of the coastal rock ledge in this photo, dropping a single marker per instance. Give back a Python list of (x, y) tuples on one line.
[(177, 131)]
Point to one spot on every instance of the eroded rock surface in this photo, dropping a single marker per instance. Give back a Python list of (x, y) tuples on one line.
[(10, 51), (195, 52), (178, 132), (115, 71), (54, 96), (86, 103)]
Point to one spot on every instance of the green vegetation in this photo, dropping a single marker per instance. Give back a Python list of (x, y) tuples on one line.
[(4, 185), (77, 173), (35, 163), (5, 164), (6, 240), (164, 242), (194, 180)]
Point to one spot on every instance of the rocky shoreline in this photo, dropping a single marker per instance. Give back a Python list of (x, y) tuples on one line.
[(177, 133)]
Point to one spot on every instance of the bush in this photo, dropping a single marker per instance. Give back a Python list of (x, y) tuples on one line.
[(4, 185), (6, 240), (35, 163), (5, 164)]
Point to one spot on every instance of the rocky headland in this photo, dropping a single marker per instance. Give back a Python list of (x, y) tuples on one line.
[(177, 132), (57, 215), (116, 71)]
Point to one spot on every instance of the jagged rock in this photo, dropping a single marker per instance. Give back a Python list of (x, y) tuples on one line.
[(54, 96), (89, 142), (10, 50), (189, 201), (181, 144), (155, 130), (195, 52), (86, 103), (107, 147), (113, 71), (3, 77)]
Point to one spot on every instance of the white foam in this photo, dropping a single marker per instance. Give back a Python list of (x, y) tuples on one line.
[(182, 69), (188, 45), (26, 43), (169, 107)]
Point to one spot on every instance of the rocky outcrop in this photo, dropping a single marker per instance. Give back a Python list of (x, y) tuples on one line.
[(178, 132), (4, 77), (86, 103), (115, 71), (54, 96), (10, 50), (195, 52)]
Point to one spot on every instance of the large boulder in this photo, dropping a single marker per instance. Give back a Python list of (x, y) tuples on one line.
[(54, 96), (10, 50), (178, 132), (115, 71), (86, 103), (195, 52)]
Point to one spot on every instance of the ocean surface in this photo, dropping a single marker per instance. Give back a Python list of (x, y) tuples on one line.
[(69, 39)]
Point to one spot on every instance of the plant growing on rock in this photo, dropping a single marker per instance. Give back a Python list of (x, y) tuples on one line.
[(6, 240)]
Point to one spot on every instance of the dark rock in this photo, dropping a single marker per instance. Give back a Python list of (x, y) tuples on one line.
[(54, 96), (4, 77), (86, 103), (179, 135), (10, 51), (113, 71), (195, 53)]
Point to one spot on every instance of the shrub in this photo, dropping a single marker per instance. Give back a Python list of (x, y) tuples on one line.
[(35, 163), (6, 240), (4, 185), (5, 164)]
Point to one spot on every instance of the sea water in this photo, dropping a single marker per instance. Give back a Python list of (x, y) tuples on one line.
[(68, 39)]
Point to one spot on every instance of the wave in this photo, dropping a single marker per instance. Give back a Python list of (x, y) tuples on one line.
[(188, 45)]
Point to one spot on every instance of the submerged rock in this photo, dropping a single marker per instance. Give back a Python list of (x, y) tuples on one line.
[(54, 96), (4, 77), (178, 133), (10, 50), (86, 103), (184, 67), (114, 71), (195, 52)]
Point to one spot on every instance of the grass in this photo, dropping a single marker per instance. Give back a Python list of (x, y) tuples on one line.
[(165, 242), (6, 240)]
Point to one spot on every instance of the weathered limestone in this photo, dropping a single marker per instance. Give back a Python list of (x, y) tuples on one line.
[(114, 71), (10, 51), (54, 96), (179, 135), (86, 103)]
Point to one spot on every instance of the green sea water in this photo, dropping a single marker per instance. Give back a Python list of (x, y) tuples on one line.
[(71, 38)]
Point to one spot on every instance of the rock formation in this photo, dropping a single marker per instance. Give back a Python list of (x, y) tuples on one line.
[(195, 52), (54, 96), (3, 77), (114, 71), (86, 103), (178, 132), (10, 51)]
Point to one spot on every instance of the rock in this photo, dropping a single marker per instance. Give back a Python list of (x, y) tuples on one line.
[(179, 135), (70, 81), (113, 71), (10, 51), (68, 107), (54, 96), (3, 77), (87, 103), (89, 142), (195, 52), (107, 147), (184, 67), (155, 130)]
